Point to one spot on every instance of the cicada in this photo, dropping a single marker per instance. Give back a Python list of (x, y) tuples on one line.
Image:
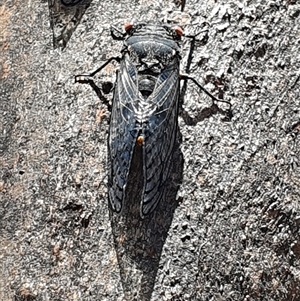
[(145, 110)]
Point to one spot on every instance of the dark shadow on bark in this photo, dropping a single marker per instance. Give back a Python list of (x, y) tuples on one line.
[(65, 15), (139, 242), (206, 113)]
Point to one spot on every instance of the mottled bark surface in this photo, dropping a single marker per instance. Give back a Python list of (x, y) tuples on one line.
[(230, 232)]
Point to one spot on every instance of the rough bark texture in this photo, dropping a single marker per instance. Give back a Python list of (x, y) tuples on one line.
[(232, 231)]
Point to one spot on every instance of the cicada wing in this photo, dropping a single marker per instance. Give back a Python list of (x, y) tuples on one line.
[(122, 134), (160, 136)]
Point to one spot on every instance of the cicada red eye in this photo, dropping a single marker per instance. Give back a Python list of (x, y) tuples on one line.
[(178, 31), (128, 26)]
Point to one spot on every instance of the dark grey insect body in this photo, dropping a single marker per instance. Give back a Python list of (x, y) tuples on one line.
[(144, 113)]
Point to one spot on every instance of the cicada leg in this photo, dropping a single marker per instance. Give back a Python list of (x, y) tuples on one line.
[(88, 79)]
